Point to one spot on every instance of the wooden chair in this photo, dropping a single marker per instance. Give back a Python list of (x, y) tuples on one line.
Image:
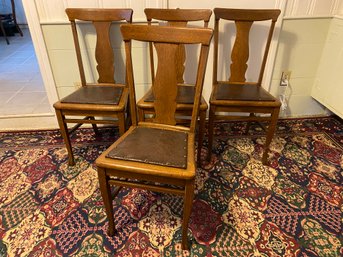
[(236, 94), (106, 98), (157, 155), (177, 18), (8, 20)]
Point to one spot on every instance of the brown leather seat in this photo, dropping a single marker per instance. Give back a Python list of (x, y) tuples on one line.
[(236, 95), (157, 155), (185, 96), (105, 98)]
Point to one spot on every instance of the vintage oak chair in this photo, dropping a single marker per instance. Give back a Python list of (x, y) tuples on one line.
[(236, 95), (106, 98), (177, 18), (157, 155)]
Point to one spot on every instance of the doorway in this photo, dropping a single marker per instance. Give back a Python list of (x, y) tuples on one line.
[(22, 89), (25, 62)]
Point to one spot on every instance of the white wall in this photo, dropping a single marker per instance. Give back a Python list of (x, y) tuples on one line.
[(302, 17), (313, 8), (300, 49), (60, 48), (52, 11)]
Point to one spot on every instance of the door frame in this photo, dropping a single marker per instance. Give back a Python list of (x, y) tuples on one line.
[(40, 49)]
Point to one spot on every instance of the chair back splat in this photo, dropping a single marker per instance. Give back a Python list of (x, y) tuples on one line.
[(157, 155), (236, 95)]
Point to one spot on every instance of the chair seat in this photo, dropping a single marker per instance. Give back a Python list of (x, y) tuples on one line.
[(166, 147), (244, 92), (109, 95)]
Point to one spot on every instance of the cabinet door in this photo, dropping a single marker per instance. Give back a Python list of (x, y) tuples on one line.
[(328, 88)]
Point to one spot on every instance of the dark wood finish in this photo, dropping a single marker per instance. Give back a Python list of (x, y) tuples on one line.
[(235, 94), (96, 104), (9, 18), (175, 18), (145, 172)]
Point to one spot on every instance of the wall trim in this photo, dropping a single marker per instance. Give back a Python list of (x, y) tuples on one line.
[(308, 17), (340, 17)]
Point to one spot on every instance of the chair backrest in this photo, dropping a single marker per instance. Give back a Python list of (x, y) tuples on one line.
[(104, 55), (166, 40), (176, 18), (244, 19)]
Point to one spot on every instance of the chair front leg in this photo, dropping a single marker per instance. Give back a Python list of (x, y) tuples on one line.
[(3, 31), (270, 134), (65, 134), (187, 209), (107, 199)]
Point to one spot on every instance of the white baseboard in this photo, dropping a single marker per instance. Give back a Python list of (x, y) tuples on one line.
[(47, 121)]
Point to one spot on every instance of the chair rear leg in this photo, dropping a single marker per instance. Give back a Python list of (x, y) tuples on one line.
[(95, 127), (128, 121), (187, 209), (141, 114), (210, 132), (65, 135), (121, 122), (270, 134), (249, 123), (201, 135), (107, 199)]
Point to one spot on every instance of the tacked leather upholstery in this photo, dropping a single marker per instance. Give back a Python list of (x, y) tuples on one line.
[(95, 95), (166, 147)]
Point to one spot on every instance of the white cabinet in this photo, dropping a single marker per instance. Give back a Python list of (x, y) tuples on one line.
[(328, 87)]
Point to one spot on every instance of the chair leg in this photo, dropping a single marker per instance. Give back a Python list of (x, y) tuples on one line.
[(201, 135), (210, 131), (95, 127), (270, 134), (187, 209), (121, 121), (65, 135), (107, 199), (128, 120), (141, 115), (18, 28), (4, 32), (249, 124)]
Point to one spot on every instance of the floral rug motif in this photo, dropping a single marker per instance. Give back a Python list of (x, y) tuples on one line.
[(291, 208)]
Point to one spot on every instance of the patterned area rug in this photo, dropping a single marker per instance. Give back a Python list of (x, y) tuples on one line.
[(241, 208)]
